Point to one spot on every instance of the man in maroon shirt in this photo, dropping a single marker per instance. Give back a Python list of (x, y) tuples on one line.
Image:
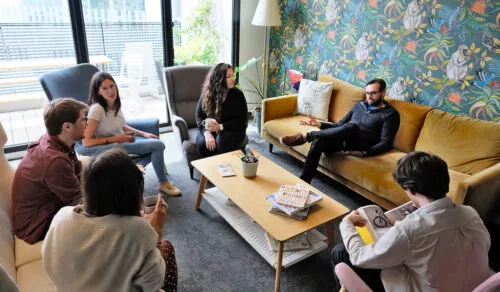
[(48, 177)]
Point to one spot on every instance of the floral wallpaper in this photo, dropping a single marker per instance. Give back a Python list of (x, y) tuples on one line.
[(442, 53)]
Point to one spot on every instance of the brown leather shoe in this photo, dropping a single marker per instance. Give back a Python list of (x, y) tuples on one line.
[(293, 140)]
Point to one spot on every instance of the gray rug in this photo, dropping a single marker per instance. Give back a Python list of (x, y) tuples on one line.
[(212, 256)]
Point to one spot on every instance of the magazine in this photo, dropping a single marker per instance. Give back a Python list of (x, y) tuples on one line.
[(225, 170), (378, 222), (292, 196), (296, 243)]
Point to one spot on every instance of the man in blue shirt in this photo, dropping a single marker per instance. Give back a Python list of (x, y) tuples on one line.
[(368, 129)]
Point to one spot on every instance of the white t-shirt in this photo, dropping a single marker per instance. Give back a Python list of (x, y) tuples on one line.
[(108, 253), (109, 124)]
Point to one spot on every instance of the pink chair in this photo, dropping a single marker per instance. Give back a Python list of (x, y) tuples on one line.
[(349, 280), (492, 284)]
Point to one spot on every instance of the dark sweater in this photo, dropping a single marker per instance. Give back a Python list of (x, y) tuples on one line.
[(378, 127), (233, 116)]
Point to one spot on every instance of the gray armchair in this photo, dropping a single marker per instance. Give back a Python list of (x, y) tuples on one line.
[(183, 85)]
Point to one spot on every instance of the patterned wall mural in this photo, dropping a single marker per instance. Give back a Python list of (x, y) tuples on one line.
[(443, 53)]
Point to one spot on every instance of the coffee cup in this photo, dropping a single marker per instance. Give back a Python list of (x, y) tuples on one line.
[(149, 204), (207, 122)]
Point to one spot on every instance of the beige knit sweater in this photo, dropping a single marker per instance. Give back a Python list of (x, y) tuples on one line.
[(109, 253)]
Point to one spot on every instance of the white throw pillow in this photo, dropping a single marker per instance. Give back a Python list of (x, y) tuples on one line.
[(314, 98)]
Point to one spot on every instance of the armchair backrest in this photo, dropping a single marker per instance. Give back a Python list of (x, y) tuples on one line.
[(183, 85), (69, 82)]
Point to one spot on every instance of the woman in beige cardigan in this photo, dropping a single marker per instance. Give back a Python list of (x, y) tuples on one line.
[(108, 244)]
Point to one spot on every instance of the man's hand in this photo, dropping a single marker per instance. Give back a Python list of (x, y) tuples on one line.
[(356, 219), (353, 153), (310, 122), (209, 141)]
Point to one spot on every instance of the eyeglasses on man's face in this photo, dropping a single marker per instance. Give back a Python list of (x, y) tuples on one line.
[(370, 93)]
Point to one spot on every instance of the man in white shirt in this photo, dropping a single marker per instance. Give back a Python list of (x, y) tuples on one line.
[(439, 247)]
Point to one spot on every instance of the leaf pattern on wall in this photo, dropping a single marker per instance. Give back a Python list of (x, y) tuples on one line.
[(442, 53)]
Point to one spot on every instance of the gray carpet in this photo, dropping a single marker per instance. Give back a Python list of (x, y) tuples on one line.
[(212, 256)]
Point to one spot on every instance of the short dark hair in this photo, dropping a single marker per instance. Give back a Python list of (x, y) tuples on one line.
[(112, 184), (423, 173), (60, 111), (94, 97), (381, 83)]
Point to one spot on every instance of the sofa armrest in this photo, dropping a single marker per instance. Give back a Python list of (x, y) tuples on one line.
[(181, 126), (278, 107), (481, 191), (149, 125)]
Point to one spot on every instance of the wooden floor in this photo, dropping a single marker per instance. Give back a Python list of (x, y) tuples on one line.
[(27, 126)]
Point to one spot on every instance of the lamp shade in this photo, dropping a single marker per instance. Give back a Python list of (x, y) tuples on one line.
[(267, 13)]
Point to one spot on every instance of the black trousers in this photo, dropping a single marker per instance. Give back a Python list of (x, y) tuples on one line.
[(225, 141), (370, 276), (345, 137)]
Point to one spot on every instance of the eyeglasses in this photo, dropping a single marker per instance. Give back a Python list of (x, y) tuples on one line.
[(370, 93)]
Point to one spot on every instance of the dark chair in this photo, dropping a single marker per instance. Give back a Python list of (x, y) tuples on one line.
[(183, 85), (75, 82)]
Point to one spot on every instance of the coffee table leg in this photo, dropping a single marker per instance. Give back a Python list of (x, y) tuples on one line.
[(330, 233), (203, 183), (278, 266)]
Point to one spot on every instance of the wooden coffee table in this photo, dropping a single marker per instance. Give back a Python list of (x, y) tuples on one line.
[(250, 207)]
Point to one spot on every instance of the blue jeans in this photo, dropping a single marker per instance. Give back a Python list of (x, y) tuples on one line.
[(149, 150)]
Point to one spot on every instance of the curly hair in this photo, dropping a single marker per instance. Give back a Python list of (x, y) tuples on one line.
[(95, 97), (215, 88)]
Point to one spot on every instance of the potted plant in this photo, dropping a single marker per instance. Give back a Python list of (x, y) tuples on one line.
[(256, 86)]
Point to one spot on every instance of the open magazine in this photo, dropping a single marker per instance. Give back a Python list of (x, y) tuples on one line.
[(378, 222)]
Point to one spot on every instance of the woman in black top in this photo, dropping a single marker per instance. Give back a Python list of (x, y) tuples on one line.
[(221, 114)]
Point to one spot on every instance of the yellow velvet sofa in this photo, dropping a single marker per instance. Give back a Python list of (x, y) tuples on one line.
[(470, 147)]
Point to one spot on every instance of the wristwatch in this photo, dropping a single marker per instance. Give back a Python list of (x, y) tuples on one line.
[(221, 127)]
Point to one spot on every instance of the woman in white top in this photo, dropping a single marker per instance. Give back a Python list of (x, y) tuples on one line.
[(108, 244), (106, 125)]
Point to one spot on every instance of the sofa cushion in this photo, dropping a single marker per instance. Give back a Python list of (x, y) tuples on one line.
[(467, 145), (26, 253), (32, 277), (372, 173), (289, 126), (6, 237), (412, 117), (344, 97), (314, 98)]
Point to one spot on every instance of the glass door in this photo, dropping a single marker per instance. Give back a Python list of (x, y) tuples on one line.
[(202, 31), (35, 38)]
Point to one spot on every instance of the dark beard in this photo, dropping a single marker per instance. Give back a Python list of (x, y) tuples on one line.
[(376, 103)]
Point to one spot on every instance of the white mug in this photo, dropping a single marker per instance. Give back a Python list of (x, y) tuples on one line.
[(207, 122), (149, 204)]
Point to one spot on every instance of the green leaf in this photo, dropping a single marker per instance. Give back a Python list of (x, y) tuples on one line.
[(479, 19), (432, 67)]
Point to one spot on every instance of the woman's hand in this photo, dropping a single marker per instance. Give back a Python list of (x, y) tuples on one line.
[(213, 126), (122, 138), (209, 141), (150, 136), (311, 122), (158, 217)]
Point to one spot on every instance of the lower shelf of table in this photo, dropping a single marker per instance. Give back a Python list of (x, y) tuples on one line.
[(255, 235)]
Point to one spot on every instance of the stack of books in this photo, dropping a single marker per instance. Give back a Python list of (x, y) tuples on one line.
[(293, 201)]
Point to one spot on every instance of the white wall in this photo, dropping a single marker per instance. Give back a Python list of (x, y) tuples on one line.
[(251, 45)]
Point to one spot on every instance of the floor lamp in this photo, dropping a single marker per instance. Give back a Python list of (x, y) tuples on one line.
[(267, 14)]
